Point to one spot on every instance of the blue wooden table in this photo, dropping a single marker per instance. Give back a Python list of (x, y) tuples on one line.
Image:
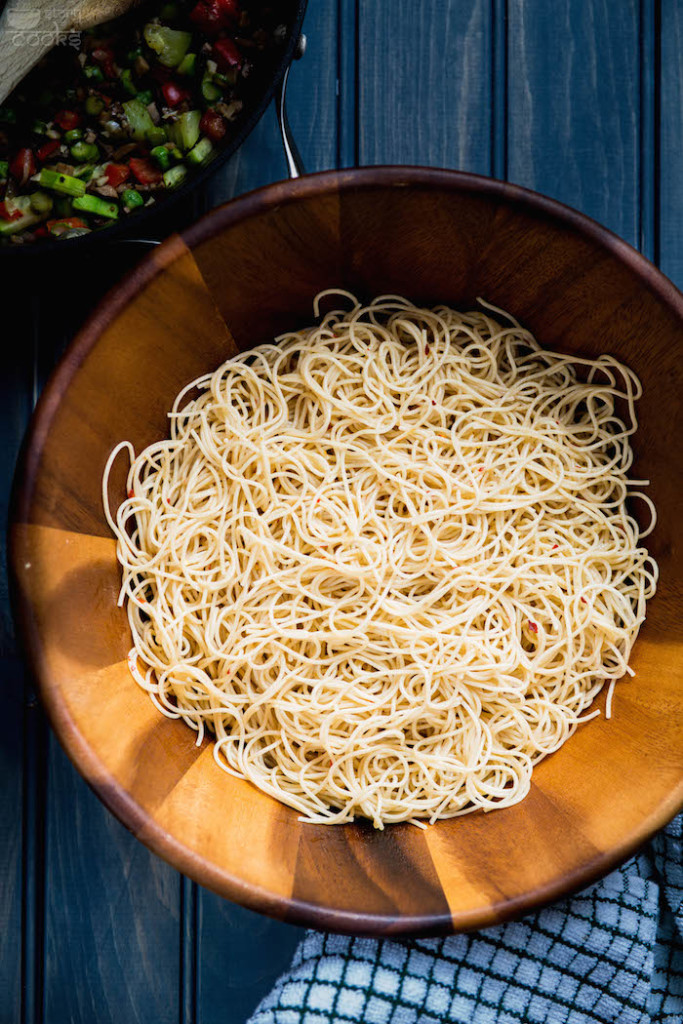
[(580, 99)]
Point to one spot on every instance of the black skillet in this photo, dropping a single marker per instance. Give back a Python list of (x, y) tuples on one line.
[(264, 84)]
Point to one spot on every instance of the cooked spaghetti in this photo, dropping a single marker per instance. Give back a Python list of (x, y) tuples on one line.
[(387, 561)]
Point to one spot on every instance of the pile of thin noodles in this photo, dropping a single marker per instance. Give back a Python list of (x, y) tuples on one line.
[(387, 561)]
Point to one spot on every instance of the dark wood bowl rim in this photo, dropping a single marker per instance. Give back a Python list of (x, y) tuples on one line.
[(85, 758)]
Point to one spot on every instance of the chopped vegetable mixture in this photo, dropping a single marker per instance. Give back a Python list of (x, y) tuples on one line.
[(95, 134)]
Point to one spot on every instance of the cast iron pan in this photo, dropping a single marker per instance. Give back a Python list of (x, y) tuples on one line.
[(263, 86)]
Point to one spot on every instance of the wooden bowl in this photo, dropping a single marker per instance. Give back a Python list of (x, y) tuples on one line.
[(233, 280)]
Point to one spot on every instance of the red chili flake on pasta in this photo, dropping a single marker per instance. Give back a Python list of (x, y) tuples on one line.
[(583, 600), (533, 627), (555, 546), (427, 350), (131, 494)]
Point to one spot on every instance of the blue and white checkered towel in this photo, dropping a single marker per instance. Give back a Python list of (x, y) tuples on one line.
[(614, 953)]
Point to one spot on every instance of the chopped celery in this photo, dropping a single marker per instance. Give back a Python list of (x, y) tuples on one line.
[(145, 96), (201, 152), (169, 44), (126, 78), (85, 172), (41, 202), (28, 218), (175, 176), (94, 105), (4, 168), (157, 135), (84, 152), (185, 131), (188, 64), (139, 120), (92, 72), (94, 204), (39, 128), (73, 135), (210, 91), (64, 183)]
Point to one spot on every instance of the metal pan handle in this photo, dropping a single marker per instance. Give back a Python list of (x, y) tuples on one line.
[(295, 166)]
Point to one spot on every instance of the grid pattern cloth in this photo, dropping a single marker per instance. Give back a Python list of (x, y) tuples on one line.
[(613, 953)]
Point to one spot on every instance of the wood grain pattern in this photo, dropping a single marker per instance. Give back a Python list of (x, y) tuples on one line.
[(578, 288), (116, 937), (17, 376), (573, 98), (242, 953), (669, 85), (434, 72)]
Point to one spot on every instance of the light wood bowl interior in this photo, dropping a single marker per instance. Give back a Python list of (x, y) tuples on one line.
[(233, 280)]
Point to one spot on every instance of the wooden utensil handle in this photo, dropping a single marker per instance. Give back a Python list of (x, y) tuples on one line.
[(27, 33), (30, 28)]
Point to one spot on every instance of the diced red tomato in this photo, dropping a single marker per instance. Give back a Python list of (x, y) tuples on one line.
[(23, 165), (7, 214), (208, 17), (116, 174), (47, 149), (174, 95), (226, 54), (67, 119), (105, 58), (230, 9), (212, 125), (145, 170), (58, 227), (41, 231)]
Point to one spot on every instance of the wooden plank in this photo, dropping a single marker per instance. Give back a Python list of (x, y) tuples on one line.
[(241, 955), (312, 89), (671, 141), (648, 75), (112, 928), (16, 722), (573, 102), (347, 83), (425, 91)]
